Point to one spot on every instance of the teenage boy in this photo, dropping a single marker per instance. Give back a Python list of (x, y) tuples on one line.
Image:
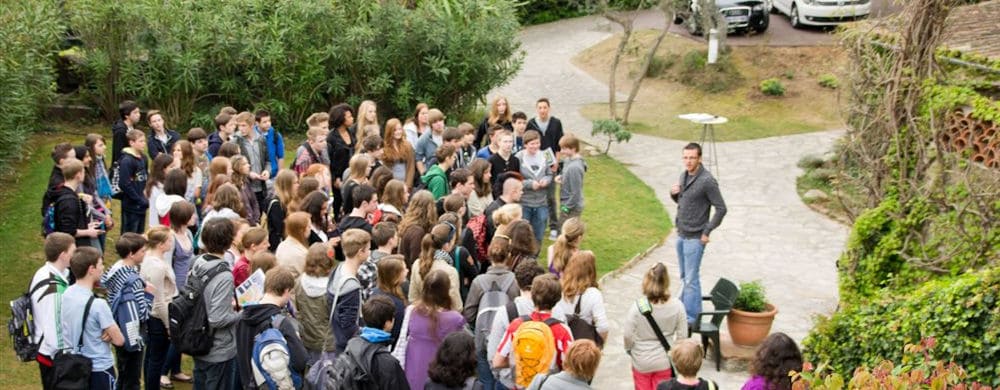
[(60, 153), (161, 139), (378, 315), (364, 202), (466, 152), (385, 240), (273, 139), (134, 174), (255, 149), (311, 151), (503, 160), (571, 179), (551, 130), (522, 305), (545, 293), (128, 116), (435, 179), (70, 209), (498, 278), (686, 356), (462, 183), (217, 369), (344, 291), (131, 247), (494, 146), (224, 128), (278, 285), (520, 123), (46, 290), (429, 142), (99, 325)]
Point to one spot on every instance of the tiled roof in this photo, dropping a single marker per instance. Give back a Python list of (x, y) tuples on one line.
[(974, 29)]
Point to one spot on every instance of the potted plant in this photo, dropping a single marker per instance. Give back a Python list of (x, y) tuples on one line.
[(750, 320)]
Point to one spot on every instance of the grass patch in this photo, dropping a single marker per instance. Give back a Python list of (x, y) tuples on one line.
[(623, 216), (805, 107)]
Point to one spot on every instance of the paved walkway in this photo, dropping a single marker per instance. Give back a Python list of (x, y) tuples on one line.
[(768, 234)]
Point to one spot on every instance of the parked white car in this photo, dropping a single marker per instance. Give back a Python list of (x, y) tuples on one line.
[(822, 12)]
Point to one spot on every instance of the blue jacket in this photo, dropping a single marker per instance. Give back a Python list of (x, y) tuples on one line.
[(133, 171), (275, 147)]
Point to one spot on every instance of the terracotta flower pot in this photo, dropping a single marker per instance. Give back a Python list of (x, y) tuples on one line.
[(749, 328)]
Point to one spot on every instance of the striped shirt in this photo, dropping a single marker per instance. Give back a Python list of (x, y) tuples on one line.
[(114, 279)]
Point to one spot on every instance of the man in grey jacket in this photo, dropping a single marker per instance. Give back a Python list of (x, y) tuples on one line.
[(695, 193), (217, 369)]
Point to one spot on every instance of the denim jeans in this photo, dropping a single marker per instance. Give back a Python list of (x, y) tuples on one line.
[(485, 371), (215, 376), (157, 351), (689, 252), (133, 222), (172, 364), (537, 217)]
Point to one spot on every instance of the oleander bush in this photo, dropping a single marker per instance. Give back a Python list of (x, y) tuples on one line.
[(30, 33)]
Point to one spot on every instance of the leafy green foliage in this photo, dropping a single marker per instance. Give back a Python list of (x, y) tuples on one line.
[(829, 81), (658, 65), (960, 312), (613, 130), (772, 87), (293, 57), (752, 297), (544, 11), (695, 71), (29, 36)]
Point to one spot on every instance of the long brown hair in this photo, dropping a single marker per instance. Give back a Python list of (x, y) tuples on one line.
[(420, 212), (479, 169), (393, 150), (284, 183), (495, 116), (188, 163), (433, 241), (580, 274), (213, 186), (295, 227), (656, 284), (159, 171), (227, 196), (389, 269), (239, 179), (434, 296), (394, 194), (567, 242)]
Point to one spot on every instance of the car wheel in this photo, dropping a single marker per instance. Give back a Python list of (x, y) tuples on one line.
[(793, 17), (762, 28)]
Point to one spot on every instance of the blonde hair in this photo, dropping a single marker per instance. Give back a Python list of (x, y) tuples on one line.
[(354, 240), (582, 359), (656, 284), (295, 226), (359, 168), (316, 118), (567, 242), (580, 274), (157, 235), (506, 214), (687, 355), (433, 241), (245, 117), (284, 182), (495, 116)]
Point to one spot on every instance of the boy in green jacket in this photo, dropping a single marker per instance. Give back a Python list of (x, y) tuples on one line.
[(436, 180)]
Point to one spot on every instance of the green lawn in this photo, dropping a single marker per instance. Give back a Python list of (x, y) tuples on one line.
[(622, 214)]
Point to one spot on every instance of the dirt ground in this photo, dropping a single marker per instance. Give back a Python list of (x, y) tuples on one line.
[(806, 106)]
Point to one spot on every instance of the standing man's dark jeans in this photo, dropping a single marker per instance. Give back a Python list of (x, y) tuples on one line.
[(215, 376), (550, 200), (129, 369), (157, 348), (135, 223)]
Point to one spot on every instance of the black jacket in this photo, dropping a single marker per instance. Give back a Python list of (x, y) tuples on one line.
[(118, 140), (484, 129), (550, 139), (340, 153), (256, 319), (156, 146), (214, 143), (70, 212), (133, 182), (389, 375)]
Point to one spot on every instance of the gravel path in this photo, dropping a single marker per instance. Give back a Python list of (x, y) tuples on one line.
[(768, 234)]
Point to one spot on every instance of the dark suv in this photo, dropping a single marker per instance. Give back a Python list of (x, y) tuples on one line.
[(742, 16)]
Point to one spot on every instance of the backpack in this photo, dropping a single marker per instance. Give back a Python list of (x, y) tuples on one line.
[(477, 225), (581, 328), (189, 314), (534, 348), (125, 310), (352, 369), (271, 358), (21, 325), (70, 368), (116, 188), (494, 299), (49, 219)]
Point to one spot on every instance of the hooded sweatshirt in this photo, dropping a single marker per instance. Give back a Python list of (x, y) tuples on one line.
[(314, 313), (133, 171), (70, 212), (436, 181), (571, 190), (256, 319)]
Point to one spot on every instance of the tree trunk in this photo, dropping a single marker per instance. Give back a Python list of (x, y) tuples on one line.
[(645, 68), (626, 21)]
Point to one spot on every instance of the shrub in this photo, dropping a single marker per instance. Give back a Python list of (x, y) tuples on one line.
[(659, 65), (752, 297), (613, 130), (810, 161), (829, 81), (294, 57), (29, 37), (544, 11), (772, 87), (713, 78), (960, 312)]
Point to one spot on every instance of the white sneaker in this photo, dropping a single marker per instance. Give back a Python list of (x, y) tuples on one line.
[(553, 235)]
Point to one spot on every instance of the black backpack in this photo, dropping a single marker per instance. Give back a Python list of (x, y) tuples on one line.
[(21, 325), (189, 315), (352, 369), (70, 369)]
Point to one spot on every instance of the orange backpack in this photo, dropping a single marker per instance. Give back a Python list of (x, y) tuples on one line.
[(534, 348)]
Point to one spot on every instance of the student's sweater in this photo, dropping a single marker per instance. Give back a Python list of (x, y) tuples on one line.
[(133, 171), (571, 189)]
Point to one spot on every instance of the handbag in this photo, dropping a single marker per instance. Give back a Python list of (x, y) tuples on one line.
[(646, 309), (581, 328), (70, 369)]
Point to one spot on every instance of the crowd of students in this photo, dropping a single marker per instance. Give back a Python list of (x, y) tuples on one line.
[(412, 250)]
